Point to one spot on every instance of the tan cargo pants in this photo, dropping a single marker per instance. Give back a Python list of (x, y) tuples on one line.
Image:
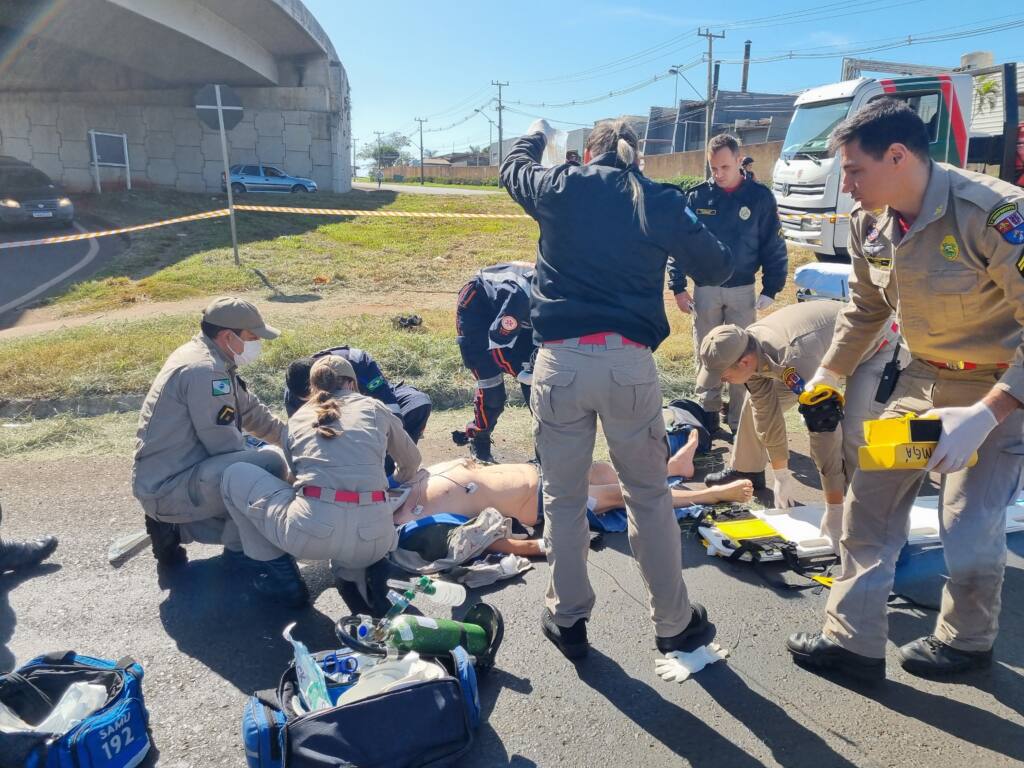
[(971, 524), (714, 306), (833, 453), (195, 504), (272, 519), (574, 385)]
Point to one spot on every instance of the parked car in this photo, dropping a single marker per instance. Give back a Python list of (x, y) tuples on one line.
[(29, 196), (265, 178)]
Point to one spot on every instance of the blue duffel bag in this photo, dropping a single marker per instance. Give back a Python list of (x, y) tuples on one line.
[(114, 736), (429, 723)]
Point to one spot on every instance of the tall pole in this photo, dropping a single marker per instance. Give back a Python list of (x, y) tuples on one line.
[(421, 121), (708, 105), (227, 173), (379, 134), (501, 133)]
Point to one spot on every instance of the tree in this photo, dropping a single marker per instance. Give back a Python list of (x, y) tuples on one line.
[(986, 93), (388, 152)]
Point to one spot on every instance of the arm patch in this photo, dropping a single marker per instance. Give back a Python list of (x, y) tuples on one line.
[(226, 416)]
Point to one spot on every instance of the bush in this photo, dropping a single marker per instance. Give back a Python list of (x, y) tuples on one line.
[(684, 181)]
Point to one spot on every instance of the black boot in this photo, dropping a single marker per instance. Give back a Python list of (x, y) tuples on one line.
[(21, 555), (375, 603), (166, 542), (279, 580), (729, 474), (480, 447), (929, 657), (698, 624), (818, 652), (571, 641), (712, 422)]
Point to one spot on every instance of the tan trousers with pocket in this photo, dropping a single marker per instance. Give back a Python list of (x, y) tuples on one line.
[(714, 306)]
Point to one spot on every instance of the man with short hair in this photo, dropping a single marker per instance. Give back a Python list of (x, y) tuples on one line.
[(742, 214), (944, 249), (773, 358), (191, 429)]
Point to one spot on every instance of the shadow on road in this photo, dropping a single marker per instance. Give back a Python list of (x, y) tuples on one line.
[(8, 621)]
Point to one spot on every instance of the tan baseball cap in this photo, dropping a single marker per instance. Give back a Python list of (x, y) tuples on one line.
[(722, 347), (230, 312), (339, 365)]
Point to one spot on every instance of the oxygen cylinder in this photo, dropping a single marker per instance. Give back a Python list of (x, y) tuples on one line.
[(427, 635)]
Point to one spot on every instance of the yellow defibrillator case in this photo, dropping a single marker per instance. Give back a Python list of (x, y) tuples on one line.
[(902, 443)]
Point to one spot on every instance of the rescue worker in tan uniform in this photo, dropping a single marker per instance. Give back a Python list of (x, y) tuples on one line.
[(190, 431), (339, 508), (774, 358), (942, 248)]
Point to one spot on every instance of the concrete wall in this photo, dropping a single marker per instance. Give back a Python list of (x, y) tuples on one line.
[(692, 163), (304, 130)]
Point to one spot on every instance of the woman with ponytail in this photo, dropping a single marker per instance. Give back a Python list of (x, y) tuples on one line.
[(598, 312), (338, 508)]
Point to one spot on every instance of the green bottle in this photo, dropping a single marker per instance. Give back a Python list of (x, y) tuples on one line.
[(426, 635)]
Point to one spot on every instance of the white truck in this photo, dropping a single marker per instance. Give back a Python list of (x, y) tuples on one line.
[(806, 179)]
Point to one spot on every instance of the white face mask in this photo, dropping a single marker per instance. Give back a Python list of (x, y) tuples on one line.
[(250, 351)]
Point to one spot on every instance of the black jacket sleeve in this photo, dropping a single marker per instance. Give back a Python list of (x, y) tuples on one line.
[(773, 255), (522, 174), (372, 380), (694, 251), (676, 274)]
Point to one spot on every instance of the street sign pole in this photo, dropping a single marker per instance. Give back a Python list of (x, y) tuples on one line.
[(227, 173)]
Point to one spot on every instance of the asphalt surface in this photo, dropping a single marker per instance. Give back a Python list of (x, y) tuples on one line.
[(206, 643), (416, 189), (33, 272)]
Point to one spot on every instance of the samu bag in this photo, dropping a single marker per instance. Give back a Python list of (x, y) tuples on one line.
[(114, 736)]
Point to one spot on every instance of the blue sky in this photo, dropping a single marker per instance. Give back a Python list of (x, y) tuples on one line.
[(436, 59)]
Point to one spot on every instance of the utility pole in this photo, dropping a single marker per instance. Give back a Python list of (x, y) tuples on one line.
[(501, 133), (708, 105), (354, 166), (421, 121), (379, 134)]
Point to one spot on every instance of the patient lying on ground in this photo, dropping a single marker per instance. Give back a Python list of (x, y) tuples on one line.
[(464, 487)]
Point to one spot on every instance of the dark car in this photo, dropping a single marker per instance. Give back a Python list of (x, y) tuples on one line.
[(265, 178), (29, 196)]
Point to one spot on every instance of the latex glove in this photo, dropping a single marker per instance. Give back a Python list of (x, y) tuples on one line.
[(525, 376), (541, 126), (832, 525), (677, 666), (824, 376), (763, 302), (685, 302), (964, 429), (785, 488)]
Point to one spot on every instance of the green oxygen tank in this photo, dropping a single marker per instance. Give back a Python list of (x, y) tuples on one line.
[(427, 635)]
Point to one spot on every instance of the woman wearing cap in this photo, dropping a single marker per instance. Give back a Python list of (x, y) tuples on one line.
[(598, 312), (338, 508)]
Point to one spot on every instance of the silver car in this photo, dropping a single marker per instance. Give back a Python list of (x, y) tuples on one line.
[(265, 178)]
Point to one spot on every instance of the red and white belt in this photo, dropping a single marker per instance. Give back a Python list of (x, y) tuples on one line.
[(344, 497)]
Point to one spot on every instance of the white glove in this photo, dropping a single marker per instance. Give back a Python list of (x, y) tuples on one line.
[(824, 376), (763, 302), (964, 429), (541, 126), (832, 525), (785, 488), (525, 376), (685, 302), (677, 666)]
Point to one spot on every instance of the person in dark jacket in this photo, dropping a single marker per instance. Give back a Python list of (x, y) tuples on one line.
[(598, 312), (492, 320), (742, 214)]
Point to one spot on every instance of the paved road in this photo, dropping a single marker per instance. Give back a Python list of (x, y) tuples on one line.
[(416, 189), (33, 272), (206, 643)]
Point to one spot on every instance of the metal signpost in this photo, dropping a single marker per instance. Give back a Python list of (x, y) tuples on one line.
[(219, 108), (109, 149)]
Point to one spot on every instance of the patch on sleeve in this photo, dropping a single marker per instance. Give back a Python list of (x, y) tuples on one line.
[(1020, 265), (509, 324), (225, 416), (375, 383), (1008, 222), (221, 387)]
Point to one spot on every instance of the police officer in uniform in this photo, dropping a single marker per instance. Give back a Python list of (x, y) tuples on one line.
[(598, 311), (774, 358), (742, 214), (339, 508), (944, 248), (191, 429), (492, 320), (407, 402)]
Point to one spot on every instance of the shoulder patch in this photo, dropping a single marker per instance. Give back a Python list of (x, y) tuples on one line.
[(225, 416), (1007, 220), (509, 323), (221, 387), (375, 383)]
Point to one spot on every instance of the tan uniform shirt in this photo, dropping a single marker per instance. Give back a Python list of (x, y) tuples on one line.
[(196, 408), (955, 279), (353, 461)]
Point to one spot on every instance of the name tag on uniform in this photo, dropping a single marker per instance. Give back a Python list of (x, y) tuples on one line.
[(706, 212)]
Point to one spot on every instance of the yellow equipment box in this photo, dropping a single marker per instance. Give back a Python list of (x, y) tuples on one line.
[(903, 443)]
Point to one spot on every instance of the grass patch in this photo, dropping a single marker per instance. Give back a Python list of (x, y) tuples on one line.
[(66, 435)]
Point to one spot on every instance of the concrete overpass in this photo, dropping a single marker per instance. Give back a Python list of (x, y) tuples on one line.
[(132, 66)]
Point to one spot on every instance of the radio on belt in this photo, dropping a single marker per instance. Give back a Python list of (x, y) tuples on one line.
[(903, 443)]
